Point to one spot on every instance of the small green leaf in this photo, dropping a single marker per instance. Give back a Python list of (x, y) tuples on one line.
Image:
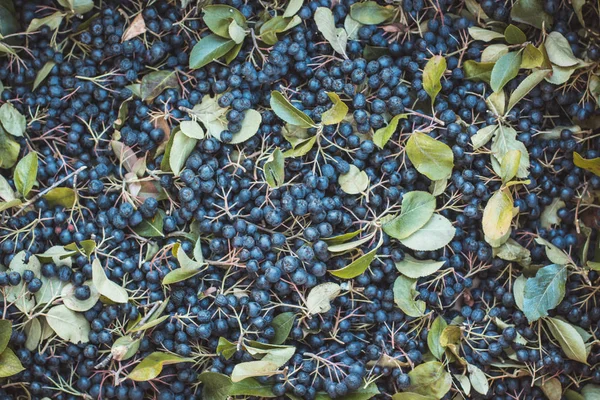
[(5, 332), (405, 294), (218, 18), (569, 339), (430, 379), (371, 13), (292, 8), (73, 303), (337, 37), (62, 196), (511, 250), (215, 386), (179, 275), (8, 22), (33, 330), (432, 76), (124, 348), (275, 25), (435, 234), (26, 173), (225, 348), (505, 69), (274, 169), (430, 157), (12, 120), (343, 247), (336, 113), (484, 35), (478, 379), (251, 387), (354, 181), (591, 392), (552, 388), (192, 129), (549, 216), (236, 32), (105, 286), (479, 71), (156, 82), (152, 365), (531, 12), (208, 49), (554, 254), (514, 35), (493, 52), (383, 135), (180, 151), (505, 140), (483, 136), (250, 125), (78, 6), (497, 102), (68, 325), (526, 86), (9, 364), (152, 227), (544, 291), (510, 165), (356, 267), (497, 216), (414, 268), (283, 324), (411, 396), (417, 209), (532, 57), (559, 50), (287, 112), (592, 164), (433, 337), (42, 74), (319, 298)]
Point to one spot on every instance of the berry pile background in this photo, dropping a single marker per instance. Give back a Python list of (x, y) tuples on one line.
[(325, 199)]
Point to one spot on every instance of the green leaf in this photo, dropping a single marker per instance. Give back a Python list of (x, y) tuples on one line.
[(337, 37), (292, 8), (287, 112), (319, 298), (352, 26), (42, 74), (578, 8), (450, 335), (218, 18), (554, 254), (78, 6), (526, 86), (215, 386), (552, 388), (493, 52), (154, 83), (5, 332), (9, 364), (417, 209), (68, 325), (433, 337), (6, 191), (267, 366), (592, 164), (52, 21), (179, 275), (497, 216), (233, 53), (61, 196), (251, 387), (432, 76), (250, 125), (591, 392), (544, 292), (559, 50), (12, 120), (430, 157), (383, 135), (152, 227), (532, 57), (438, 187), (33, 330), (25, 173), (549, 216), (105, 286), (236, 32), (192, 129), (371, 13), (343, 247), (124, 348), (569, 339), (277, 24), (505, 69), (430, 379), (225, 348), (354, 181), (478, 379), (531, 12), (414, 268), (411, 396), (73, 303), (513, 251), (50, 291), (302, 148), (483, 136), (336, 113), (435, 234), (405, 294), (510, 165), (356, 267), (151, 366), (335, 240), (274, 169), (8, 22), (478, 71), (283, 324), (514, 35), (505, 140), (496, 102), (208, 49), (519, 291), (180, 151), (484, 35), (560, 75)]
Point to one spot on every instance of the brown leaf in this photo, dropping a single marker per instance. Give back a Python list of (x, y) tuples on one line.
[(137, 27), (395, 27)]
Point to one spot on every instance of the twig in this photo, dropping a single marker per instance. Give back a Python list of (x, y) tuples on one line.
[(45, 191)]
